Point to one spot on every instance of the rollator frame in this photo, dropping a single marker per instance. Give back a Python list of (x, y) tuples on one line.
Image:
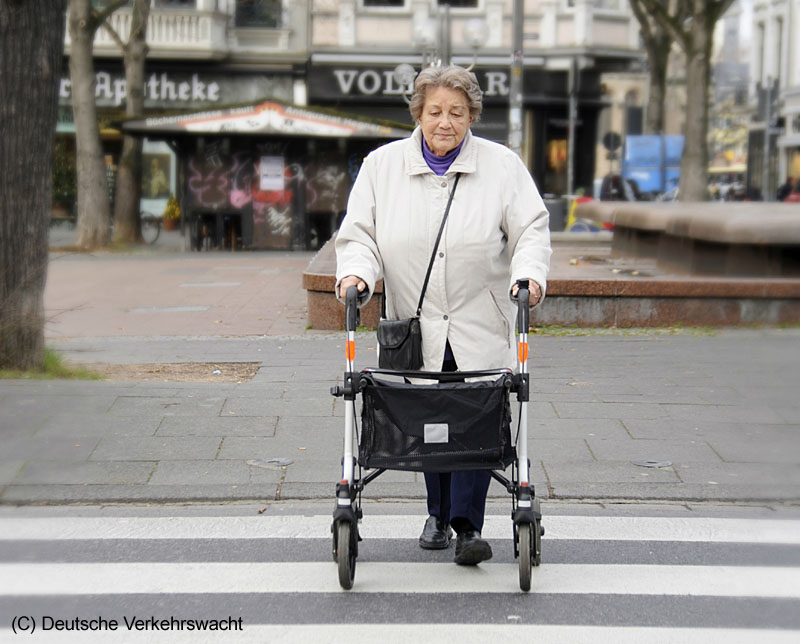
[(525, 513)]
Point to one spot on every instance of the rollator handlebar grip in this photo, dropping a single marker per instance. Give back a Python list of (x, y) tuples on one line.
[(351, 308), (523, 306)]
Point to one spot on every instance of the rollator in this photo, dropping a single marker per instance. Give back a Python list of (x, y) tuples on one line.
[(458, 421)]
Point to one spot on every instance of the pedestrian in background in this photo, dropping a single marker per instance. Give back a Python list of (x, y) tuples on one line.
[(497, 233), (785, 190)]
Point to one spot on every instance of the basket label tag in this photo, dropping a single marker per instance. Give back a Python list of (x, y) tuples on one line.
[(436, 432)]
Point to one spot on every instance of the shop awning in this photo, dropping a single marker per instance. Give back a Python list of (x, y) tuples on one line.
[(270, 117)]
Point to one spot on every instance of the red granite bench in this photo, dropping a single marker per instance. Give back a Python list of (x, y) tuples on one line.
[(319, 280), (707, 238)]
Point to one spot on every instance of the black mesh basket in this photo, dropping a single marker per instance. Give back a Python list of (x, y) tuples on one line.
[(442, 427)]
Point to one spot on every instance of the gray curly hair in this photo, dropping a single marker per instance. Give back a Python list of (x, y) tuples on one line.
[(453, 77)]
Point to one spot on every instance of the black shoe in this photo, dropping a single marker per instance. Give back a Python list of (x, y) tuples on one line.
[(471, 549), (435, 535)]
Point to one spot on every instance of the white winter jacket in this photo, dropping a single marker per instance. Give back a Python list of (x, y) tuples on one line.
[(497, 232)]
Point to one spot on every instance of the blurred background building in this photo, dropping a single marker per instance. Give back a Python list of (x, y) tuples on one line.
[(354, 59), (774, 95)]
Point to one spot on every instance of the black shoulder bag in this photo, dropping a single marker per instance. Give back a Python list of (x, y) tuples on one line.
[(401, 340)]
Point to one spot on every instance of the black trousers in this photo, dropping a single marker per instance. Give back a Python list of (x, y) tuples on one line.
[(458, 497)]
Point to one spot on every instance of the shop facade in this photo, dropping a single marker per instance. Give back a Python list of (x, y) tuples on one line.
[(268, 175), (169, 87), (371, 88)]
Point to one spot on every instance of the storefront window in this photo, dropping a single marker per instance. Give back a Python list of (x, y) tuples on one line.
[(556, 176), (258, 13), (461, 4), (794, 164), (384, 3)]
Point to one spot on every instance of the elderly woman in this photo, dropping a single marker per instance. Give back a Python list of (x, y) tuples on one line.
[(496, 233)]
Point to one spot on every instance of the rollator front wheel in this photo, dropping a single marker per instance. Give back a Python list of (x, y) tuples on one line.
[(346, 557), (525, 532)]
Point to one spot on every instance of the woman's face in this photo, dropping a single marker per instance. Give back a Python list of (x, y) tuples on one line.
[(445, 119)]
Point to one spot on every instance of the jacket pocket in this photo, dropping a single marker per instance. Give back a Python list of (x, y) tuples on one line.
[(499, 312)]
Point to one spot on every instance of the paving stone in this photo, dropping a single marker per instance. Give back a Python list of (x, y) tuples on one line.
[(673, 492), (14, 422), (609, 410), (54, 401), (299, 425), (78, 423), (743, 474), (561, 472), (657, 450), (538, 410), (49, 448), (9, 470), (778, 448), (376, 490), (156, 448), (326, 470), (218, 426), (85, 473), (244, 448), (560, 449), (136, 493), (672, 428), (571, 428), (209, 472), (721, 413), (265, 407), (142, 406)]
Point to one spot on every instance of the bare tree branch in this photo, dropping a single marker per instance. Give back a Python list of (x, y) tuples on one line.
[(717, 8), (672, 22), (99, 16), (113, 33)]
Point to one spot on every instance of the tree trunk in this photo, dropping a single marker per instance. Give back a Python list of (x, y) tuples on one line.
[(127, 222), (31, 46), (657, 59), (94, 212), (694, 164)]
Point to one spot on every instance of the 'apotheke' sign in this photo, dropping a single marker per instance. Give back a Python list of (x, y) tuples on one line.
[(158, 87), (340, 82), (171, 89)]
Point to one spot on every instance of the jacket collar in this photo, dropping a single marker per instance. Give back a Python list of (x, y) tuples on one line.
[(415, 162)]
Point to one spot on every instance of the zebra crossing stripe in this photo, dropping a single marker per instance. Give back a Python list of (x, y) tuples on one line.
[(403, 633), (677, 529), (392, 577)]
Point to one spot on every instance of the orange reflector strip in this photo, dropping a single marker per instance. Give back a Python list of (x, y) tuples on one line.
[(524, 484), (523, 351), (350, 350)]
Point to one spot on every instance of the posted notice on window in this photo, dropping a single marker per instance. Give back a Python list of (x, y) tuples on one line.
[(271, 173)]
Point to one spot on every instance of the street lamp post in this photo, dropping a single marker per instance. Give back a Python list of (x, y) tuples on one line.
[(515, 86), (572, 81)]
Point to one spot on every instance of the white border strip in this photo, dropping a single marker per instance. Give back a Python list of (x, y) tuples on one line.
[(710, 530), (391, 577), (404, 633)]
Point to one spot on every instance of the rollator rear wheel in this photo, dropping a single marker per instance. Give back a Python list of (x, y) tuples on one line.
[(346, 558), (538, 531), (525, 556)]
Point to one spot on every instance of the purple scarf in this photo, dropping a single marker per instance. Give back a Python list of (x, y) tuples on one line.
[(440, 165)]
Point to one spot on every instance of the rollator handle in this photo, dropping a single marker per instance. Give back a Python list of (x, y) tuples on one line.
[(351, 308), (523, 306)]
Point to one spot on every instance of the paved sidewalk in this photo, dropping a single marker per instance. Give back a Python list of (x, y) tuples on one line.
[(722, 408)]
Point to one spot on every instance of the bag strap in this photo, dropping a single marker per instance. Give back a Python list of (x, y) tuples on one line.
[(436, 245)]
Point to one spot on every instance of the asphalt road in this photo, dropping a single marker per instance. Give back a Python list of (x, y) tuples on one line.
[(665, 573)]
